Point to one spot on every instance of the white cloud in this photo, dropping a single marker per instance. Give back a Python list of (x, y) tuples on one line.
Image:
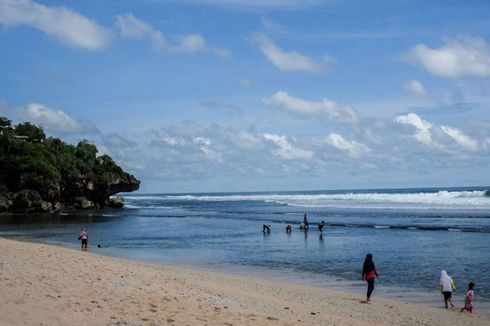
[(463, 57), (66, 25), (354, 148), (325, 109), (131, 27), (190, 43), (286, 150), (55, 120), (415, 87), (422, 127), (460, 138), (288, 61)]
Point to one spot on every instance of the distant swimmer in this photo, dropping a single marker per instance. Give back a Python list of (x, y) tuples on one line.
[(266, 228), (320, 226), (288, 228), (305, 222)]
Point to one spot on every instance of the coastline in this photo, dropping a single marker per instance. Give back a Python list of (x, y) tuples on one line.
[(48, 285)]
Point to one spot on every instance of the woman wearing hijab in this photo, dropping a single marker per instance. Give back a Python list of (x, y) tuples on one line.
[(368, 274), (447, 286)]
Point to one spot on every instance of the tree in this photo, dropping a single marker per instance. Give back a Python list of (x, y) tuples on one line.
[(86, 154), (33, 133), (4, 122)]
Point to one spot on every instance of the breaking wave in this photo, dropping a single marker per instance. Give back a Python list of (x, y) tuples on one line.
[(444, 199)]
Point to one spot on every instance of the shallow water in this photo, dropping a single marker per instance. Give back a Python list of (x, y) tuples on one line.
[(413, 234)]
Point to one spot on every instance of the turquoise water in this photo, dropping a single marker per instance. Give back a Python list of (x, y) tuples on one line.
[(413, 234)]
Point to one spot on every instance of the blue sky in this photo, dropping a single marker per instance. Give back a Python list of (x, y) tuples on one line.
[(231, 95)]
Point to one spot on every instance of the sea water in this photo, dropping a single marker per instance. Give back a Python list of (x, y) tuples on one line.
[(412, 233)]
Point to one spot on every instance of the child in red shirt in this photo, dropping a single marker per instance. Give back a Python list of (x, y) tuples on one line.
[(468, 306)]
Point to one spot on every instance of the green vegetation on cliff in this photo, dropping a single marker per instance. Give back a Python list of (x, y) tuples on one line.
[(58, 171)]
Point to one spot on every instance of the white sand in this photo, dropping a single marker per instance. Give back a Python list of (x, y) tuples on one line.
[(48, 285)]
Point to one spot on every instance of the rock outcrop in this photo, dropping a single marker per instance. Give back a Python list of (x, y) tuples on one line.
[(40, 174)]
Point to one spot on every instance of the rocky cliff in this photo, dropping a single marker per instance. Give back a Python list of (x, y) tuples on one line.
[(39, 174)]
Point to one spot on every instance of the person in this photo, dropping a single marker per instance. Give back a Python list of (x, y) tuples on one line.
[(84, 237), (320, 226), (447, 287), (305, 222), (288, 228), (266, 228), (368, 273), (468, 306)]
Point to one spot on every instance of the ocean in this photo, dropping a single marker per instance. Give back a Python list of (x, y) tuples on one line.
[(412, 233)]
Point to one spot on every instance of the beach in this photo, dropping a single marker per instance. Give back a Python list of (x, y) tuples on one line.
[(49, 285)]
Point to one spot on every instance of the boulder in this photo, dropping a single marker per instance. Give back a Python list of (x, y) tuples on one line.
[(46, 206), (83, 203), (57, 206), (4, 204), (27, 201), (51, 192), (116, 202)]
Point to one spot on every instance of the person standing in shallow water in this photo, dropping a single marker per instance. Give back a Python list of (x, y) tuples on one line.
[(305, 222), (368, 273), (83, 236)]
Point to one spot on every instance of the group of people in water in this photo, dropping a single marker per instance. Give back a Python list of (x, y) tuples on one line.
[(266, 228), (447, 285)]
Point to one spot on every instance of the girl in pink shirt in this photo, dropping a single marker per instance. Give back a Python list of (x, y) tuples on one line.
[(84, 237), (468, 306)]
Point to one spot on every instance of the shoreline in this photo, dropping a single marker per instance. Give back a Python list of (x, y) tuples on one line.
[(51, 285), (386, 291)]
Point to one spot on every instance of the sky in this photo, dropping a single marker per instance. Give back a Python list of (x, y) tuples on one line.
[(269, 95)]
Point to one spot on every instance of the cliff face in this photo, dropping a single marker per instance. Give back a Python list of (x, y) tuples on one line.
[(39, 174)]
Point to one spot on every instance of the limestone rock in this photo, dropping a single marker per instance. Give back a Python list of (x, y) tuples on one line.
[(83, 203), (4, 204), (116, 202), (27, 201)]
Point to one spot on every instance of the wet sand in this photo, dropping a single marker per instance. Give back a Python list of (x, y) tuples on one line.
[(48, 285)]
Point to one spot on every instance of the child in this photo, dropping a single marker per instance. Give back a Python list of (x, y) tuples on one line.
[(84, 237), (447, 287), (469, 297)]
